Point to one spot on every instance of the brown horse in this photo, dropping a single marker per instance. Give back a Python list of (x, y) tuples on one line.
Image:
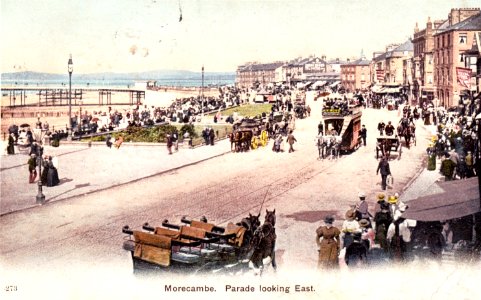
[(264, 241)]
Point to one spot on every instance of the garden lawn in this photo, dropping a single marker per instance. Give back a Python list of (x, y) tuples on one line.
[(249, 110)]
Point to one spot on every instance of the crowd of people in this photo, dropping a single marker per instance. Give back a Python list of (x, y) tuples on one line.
[(386, 232)]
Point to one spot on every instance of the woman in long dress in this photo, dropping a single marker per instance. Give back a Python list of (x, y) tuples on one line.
[(52, 173), (328, 241)]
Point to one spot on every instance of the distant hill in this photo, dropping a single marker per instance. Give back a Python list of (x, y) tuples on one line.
[(149, 75)]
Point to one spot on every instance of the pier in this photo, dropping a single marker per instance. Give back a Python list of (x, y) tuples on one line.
[(20, 96)]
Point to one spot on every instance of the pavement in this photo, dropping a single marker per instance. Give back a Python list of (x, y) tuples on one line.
[(85, 169)]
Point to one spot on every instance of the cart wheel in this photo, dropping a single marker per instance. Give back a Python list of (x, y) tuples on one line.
[(254, 143)]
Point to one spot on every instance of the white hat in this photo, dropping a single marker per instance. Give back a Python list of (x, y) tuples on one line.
[(361, 195)]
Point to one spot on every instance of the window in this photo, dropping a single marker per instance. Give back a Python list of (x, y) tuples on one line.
[(463, 38)]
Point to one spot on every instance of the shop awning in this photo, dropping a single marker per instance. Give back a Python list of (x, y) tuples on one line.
[(459, 198), (335, 83), (318, 83)]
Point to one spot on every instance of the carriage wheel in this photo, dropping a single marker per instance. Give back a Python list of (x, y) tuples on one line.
[(254, 143)]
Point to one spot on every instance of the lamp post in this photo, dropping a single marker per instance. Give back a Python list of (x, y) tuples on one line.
[(39, 133), (202, 95), (70, 71)]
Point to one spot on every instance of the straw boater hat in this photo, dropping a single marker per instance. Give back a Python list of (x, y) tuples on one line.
[(350, 214), (361, 195), (392, 200), (364, 223), (380, 197)]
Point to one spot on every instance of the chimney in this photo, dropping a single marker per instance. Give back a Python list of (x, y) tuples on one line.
[(323, 57), (416, 28)]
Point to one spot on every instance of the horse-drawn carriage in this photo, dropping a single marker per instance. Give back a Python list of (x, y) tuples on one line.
[(407, 130), (199, 246), (385, 145), (341, 132), (248, 134)]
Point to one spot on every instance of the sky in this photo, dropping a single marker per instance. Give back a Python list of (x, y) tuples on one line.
[(144, 35)]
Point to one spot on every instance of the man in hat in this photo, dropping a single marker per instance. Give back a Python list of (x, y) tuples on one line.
[(389, 129), (362, 207), (381, 198), (169, 143), (363, 134), (349, 227), (447, 167), (398, 235), (380, 126), (327, 239), (32, 168), (382, 220), (291, 140), (385, 171)]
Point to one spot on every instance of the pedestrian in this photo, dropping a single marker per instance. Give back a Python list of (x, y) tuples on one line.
[(363, 134), (169, 143), (211, 136), (398, 235), (469, 165), (349, 227), (389, 129), (367, 233), (356, 252), (320, 128), (383, 167), (327, 239), (175, 140), (308, 109), (447, 167), (52, 173), (118, 142), (108, 141), (380, 127), (362, 209), (382, 220), (32, 168), (291, 140)]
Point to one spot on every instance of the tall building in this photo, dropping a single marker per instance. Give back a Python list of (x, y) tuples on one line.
[(356, 75), (451, 45), (255, 74), (423, 62)]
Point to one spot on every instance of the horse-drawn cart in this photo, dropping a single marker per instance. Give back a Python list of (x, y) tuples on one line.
[(385, 145), (345, 125), (248, 134), (199, 246)]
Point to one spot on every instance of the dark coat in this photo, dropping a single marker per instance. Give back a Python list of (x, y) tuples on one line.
[(384, 168), (356, 254)]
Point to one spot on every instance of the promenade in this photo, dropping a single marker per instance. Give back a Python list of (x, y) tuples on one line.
[(84, 170)]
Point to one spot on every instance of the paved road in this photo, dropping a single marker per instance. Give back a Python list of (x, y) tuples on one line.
[(83, 233)]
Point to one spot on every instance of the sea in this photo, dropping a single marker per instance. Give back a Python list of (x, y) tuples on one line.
[(117, 83)]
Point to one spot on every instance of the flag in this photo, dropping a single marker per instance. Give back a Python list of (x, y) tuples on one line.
[(464, 76)]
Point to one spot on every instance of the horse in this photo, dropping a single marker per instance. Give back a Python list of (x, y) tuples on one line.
[(321, 146), (241, 140), (407, 131), (264, 242), (250, 223), (333, 144)]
